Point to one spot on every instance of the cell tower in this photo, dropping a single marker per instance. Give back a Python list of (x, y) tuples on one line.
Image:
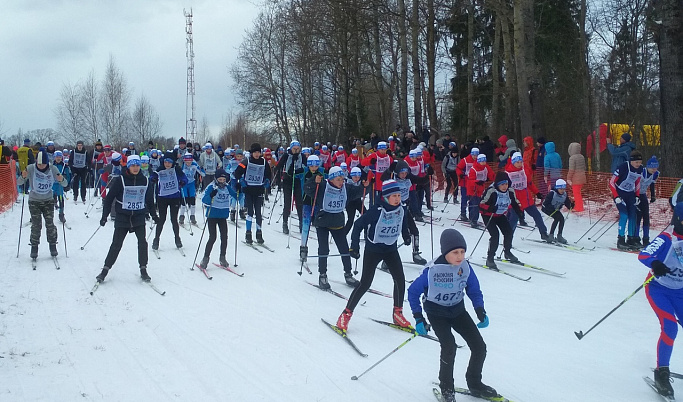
[(190, 121)]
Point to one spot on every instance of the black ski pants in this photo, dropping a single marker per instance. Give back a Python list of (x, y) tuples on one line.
[(163, 205), (351, 207), (254, 205), (120, 234), (451, 181), (222, 224), (298, 199), (339, 237), (79, 181), (370, 262), (493, 223), (465, 326)]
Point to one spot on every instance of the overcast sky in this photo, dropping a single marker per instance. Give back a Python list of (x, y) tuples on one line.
[(46, 43)]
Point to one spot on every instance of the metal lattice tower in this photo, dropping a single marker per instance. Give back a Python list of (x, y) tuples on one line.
[(190, 121)]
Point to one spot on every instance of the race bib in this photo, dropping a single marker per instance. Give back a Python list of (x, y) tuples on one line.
[(222, 198), (354, 163), (254, 174), (168, 182), (518, 179), (42, 182), (502, 202), (481, 174), (210, 165), (468, 166), (383, 164), (389, 226), (79, 160), (629, 183), (404, 185), (133, 197), (447, 283), (334, 199)]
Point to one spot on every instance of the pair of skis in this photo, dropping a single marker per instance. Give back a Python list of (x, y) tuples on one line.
[(180, 250), (258, 246), (149, 283), (34, 262), (465, 391), (206, 273)]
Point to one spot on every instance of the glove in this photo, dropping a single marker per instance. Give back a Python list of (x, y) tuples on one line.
[(243, 182), (637, 200), (659, 268), (354, 253), (652, 200), (155, 218), (618, 200), (483, 318), (421, 325), (373, 161), (213, 192), (103, 221), (539, 196), (407, 240), (480, 182), (572, 205), (267, 184), (430, 170)]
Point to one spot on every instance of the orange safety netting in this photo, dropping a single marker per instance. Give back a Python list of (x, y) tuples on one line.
[(8, 186)]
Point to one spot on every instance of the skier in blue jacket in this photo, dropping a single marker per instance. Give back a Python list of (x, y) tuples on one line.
[(444, 283)]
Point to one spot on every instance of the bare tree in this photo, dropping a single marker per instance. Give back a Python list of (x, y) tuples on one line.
[(68, 113), (90, 108), (145, 123), (204, 133), (114, 99), (42, 135)]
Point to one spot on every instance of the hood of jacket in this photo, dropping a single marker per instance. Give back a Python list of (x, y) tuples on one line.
[(550, 147), (528, 142), (574, 149), (511, 143), (503, 139)]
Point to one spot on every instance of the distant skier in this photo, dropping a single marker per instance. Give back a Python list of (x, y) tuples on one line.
[(552, 206)]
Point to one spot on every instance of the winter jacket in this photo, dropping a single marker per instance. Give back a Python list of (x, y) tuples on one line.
[(210, 162), (127, 217), (180, 176), (490, 205), (291, 165), (372, 161), (511, 148), (530, 153), (620, 154), (576, 175), (552, 162), (554, 202), (503, 139), (540, 157), (463, 169), (523, 184), (368, 222), (331, 220), (214, 212), (450, 163), (310, 176), (64, 170), (33, 194), (255, 190), (626, 179), (477, 178), (487, 148)]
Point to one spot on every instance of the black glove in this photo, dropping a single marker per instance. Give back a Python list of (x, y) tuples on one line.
[(354, 253), (572, 205), (481, 313), (659, 268), (539, 196), (213, 192), (103, 221), (430, 171), (480, 182), (155, 218), (373, 161), (652, 199), (407, 240)]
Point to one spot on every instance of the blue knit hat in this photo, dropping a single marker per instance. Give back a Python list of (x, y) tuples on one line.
[(390, 187), (653, 163)]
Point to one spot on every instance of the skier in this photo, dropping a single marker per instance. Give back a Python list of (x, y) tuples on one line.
[(664, 294), (291, 166), (154, 160), (111, 171), (132, 195), (356, 188), (377, 162), (495, 202), (169, 180), (144, 160), (521, 180), (209, 161), (57, 189), (330, 202), (463, 170), (78, 166), (217, 199), (625, 188), (190, 168), (552, 206), (383, 223), (41, 204), (448, 165), (254, 177), (353, 160), (479, 174), (650, 176), (235, 202), (313, 164), (444, 283)]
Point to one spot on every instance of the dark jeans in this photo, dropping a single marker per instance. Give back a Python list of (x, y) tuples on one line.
[(116, 243), (254, 204), (339, 237), (493, 223), (222, 224), (452, 181), (370, 262), (463, 325), (79, 181), (174, 205)]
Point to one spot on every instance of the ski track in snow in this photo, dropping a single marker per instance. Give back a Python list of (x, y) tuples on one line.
[(259, 338)]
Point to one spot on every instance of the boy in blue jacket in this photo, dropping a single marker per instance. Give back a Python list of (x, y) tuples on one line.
[(57, 190), (217, 198), (444, 283)]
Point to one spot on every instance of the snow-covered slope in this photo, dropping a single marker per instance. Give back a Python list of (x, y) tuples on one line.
[(260, 338)]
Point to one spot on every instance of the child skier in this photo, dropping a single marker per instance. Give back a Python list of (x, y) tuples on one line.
[(313, 163), (169, 179), (57, 189), (479, 174), (625, 187), (190, 168), (383, 223), (217, 198), (254, 177), (495, 202), (41, 203), (650, 176), (356, 188), (330, 200), (132, 195), (463, 171), (235, 202), (449, 166), (521, 180), (446, 310), (663, 256), (552, 206)]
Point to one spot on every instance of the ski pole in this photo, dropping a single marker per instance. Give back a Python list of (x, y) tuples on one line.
[(606, 230), (151, 229), (329, 255), (315, 199), (592, 226), (482, 235), (186, 208), (21, 221), (581, 334), (206, 221), (431, 216), (536, 227), (66, 253), (237, 218), (289, 232), (93, 235), (385, 357)]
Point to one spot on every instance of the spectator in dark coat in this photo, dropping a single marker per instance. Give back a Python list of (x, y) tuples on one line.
[(622, 153), (488, 148)]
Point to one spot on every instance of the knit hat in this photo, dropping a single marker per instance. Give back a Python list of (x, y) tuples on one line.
[(133, 160), (131, 144), (219, 148), (354, 151), (116, 157), (541, 140), (187, 157), (313, 160), (341, 147), (42, 158), (239, 152), (636, 156), (474, 151), (382, 145), (306, 151), (294, 143), (182, 141), (653, 163), (516, 157), (501, 178), (27, 141), (626, 137), (481, 158), (390, 187), (79, 142), (452, 144), (50, 143), (169, 156), (98, 142), (559, 184), (450, 240), (336, 171), (402, 166), (356, 171), (58, 154), (220, 172), (316, 144), (107, 147), (144, 159), (413, 153), (255, 147), (324, 147)]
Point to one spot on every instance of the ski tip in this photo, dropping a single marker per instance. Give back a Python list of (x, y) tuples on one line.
[(579, 334)]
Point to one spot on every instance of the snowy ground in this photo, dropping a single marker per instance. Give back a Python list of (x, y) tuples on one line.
[(259, 338)]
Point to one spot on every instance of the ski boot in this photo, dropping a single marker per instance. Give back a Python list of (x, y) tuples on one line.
[(155, 243), (204, 263), (544, 236), (223, 262), (343, 320), (445, 200), (34, 251), (399, 319), (621, 243), (419, 218), (181, 219), (243, 214), (76, 201), (509, 256), (103, 274), (464, 218), (53, 249), (323, 282), (232, 215), (417, 258), (350, 280), (143, 274), (247, 237), (285, 228), (259, 237), (178, 243), (634, 243), (447, 395), (62, 218), (522, 222), (662, 382), (455, 200), (303, 253), (490, 262), (561, 239), (482, 390), (474, 225), (550, 238), (646, 241), (193, 220)]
